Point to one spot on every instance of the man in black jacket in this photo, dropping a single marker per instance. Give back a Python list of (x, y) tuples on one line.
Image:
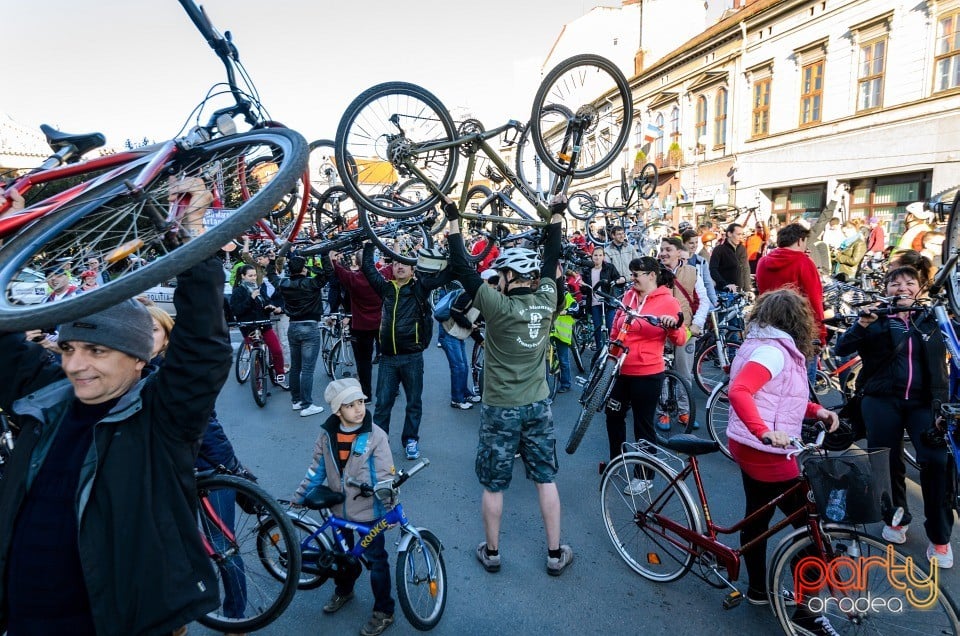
[(303, 300), (98, 502), (728, 263), (406, 325)]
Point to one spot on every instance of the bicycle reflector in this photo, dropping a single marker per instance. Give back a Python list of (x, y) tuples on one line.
[(121, 252), (653, 558)]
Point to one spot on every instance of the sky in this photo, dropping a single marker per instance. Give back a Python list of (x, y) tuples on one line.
[(137, 68)]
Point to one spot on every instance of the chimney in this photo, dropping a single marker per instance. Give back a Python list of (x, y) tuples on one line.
[(638, 62)]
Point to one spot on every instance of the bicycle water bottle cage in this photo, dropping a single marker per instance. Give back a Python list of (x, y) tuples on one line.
[(321, 497)]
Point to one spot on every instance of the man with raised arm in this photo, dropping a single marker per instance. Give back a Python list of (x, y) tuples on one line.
[(515, 414), (98, 504)]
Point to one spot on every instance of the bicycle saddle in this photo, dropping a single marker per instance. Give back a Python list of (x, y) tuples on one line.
[(83, 143), (321, 497), (691, 444)]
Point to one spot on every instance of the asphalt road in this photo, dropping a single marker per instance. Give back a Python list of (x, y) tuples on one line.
[(597, 594)]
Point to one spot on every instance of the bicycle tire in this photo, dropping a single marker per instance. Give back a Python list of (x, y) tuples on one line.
[(335, 208), (581, 206), (102, 221), (856, 547), (343, 363), (552, 371), (241, 368), (476, 366), (386, 125), (406, 239), (413, 584), (321, 543), (598, 390), (653, 234), (259, 382), (265, 595), (672, 392), (322, 166), (577, 359), (648, 180), (718, 414), (950, 245), (631, 523), (477, 203), (707, 372), (535, 178), (581, 84)]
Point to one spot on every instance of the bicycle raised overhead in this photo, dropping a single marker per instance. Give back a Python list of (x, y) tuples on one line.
[(421, 575)]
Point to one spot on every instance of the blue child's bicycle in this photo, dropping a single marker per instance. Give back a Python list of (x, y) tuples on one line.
[(421, 575)]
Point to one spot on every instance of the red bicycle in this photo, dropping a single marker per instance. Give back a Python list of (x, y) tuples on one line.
[(149, 213)]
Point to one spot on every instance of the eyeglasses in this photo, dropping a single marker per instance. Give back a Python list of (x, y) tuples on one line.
[(637, 274)]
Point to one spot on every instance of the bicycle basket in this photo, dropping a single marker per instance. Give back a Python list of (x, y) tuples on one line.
[(852, 486)]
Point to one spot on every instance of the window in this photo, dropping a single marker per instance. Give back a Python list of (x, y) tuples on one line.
[(658, 149), (701, 119), (802, 202), (638, 130), (947, 59), (872, 62), (887, 197), (720, 119), (675, 125), (811, 94), (761, 108)]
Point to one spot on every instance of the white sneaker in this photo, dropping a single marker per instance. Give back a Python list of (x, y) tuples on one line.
[(638, 486), (296, 406), (313, 409), (944, 559), (895, 534)]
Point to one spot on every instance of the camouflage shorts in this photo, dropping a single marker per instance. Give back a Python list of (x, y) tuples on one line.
[(506, 431)]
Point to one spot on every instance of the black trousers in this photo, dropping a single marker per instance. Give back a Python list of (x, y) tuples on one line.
[(641, 394), (758, 494), (363, 345)]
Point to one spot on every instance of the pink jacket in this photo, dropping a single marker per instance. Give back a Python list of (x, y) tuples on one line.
[(645, 341), (782, 402)]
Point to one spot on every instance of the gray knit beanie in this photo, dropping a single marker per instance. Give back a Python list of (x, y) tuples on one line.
[(127, 327)]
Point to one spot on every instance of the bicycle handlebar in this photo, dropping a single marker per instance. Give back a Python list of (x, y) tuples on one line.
[(616, 302), (367, 490), (253, 323)]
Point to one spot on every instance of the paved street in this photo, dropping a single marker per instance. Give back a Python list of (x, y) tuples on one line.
[(597, 594)]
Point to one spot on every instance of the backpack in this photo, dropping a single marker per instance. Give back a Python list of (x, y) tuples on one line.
[(441, 311)]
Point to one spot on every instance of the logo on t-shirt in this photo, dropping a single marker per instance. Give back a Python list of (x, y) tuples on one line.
[(535, 324)]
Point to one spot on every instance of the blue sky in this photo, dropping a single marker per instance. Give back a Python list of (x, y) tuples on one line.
[(137, 68)]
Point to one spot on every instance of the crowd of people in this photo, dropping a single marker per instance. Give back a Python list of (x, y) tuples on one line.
[(131, 369)]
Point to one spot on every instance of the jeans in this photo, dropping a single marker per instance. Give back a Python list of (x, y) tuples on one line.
[(304, 338), (683, 364), (597, 315), (566, 374), (376, 555), (231, 570), (459, 369), (405, 369)]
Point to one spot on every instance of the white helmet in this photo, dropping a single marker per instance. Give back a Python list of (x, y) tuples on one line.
[(916, 209), (431, 260), (524, 262)]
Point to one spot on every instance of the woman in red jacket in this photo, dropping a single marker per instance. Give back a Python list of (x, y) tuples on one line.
[(641, 376)]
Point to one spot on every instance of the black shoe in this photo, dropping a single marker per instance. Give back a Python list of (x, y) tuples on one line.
[(757, 597)]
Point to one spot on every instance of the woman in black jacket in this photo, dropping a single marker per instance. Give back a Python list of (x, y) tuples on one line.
[(600, 276), (904, 366), (249, 303)]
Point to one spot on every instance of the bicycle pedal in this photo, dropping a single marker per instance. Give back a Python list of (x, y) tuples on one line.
[(732, 600)]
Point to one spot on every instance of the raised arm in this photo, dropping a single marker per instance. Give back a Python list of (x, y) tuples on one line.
[(375, 278)]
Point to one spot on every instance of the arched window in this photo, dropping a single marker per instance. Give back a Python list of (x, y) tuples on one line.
[(658, 149), (701, 128), (675, 125), (720, 119)]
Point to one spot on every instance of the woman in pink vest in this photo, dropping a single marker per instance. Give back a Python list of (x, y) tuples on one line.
[(769, 398)]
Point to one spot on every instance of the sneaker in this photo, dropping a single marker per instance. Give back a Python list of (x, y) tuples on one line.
[(563, 389), (754, 597), (377, 624), (474, 398), (313, 409), (942, 554), (413, 449), (555, 567), (638, 486), (895, 534), (280, 381), (489, 563), (296, 406), (336, 602), (685, 418), (465, 406), (813, 623), (663, 423)]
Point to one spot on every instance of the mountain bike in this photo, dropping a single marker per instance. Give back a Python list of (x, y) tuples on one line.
[(599, 385), (662, 533), (397, 131), (341, 362), (148, 213), (248, 537), (618, 199), (421, 574), (259, 367)]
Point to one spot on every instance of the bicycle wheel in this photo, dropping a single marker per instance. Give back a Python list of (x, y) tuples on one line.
[(649, 243), (718, 413), (130, 233), (387, 130), (260, 381), (476, 366), (398, 239), (948, 202), (676, 400), (311, 576), (581, 205), (853, 609), (535, 177), (323, 167), (343, 364), (422, 581), (232, 516), (552, 371), (635, 493), (594, 396), (334, 210), (576, 357), (241, 368), (707, 370), (647, 181), (581, 85)]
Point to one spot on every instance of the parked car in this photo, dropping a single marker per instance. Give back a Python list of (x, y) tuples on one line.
[(28, 288), (162, 294)]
